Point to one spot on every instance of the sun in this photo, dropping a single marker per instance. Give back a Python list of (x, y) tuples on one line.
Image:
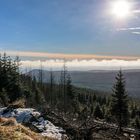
[(121, 9)]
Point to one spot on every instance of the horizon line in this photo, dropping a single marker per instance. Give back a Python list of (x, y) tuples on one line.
[(67, 56)]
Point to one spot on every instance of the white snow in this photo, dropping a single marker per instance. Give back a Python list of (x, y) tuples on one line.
[(25, 115)]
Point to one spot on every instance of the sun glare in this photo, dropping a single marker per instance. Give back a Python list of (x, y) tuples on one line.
[(121, 9)]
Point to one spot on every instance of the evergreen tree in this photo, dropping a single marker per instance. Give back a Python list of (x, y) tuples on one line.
[(38, 99), (9, 77), (70, 92), (63, 85), (3, 97), (98, 112), (51, 87), (40, 76), (119, 106), (91, 109), (133, 113), (137, 123)]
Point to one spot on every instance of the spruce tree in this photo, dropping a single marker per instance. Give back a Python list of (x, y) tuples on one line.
[(70, 92), (119, 105), (51, 87), (3, 97), (137, 123), (98, 112), (63, 80)]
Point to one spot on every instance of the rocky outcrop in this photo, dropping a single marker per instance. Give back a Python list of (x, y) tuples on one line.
[(33, 119)]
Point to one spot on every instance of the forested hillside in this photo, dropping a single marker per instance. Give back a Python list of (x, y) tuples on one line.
[(101, 80), (77, 107)]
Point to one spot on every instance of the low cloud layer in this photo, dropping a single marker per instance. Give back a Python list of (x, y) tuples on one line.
[(75, 64), (45, 55), (55, 61)]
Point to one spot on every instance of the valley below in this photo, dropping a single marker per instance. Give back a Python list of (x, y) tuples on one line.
[(101, 80)]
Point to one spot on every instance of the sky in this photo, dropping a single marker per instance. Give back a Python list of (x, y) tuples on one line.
[(69, 27)]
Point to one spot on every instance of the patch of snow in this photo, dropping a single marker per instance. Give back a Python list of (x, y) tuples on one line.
[(25, 115)]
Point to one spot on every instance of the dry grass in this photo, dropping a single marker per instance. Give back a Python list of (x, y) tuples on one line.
[(8, 121), (20, 103), (18, 132)]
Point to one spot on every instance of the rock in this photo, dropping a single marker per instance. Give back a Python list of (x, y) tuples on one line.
[(34, 121)]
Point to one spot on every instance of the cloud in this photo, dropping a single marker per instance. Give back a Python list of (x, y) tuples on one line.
[(133, 30), (45, 55), (128, 29), (136, 11), (137, 33), (74, 61), (76, 64)]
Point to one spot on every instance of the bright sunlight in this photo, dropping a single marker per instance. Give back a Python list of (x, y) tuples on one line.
[(121, 9)]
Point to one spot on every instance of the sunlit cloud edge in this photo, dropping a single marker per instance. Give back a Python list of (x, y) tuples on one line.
[(46, 55)]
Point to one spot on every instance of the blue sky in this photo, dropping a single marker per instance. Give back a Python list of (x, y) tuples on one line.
[(67, 26)]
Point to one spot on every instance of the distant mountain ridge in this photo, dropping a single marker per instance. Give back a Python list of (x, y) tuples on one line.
[(101, 80)]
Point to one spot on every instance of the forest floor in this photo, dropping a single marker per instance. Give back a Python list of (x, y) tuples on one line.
[(38, 126), (90, 129)]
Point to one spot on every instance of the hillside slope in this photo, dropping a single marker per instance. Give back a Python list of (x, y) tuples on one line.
[(98, 80)]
